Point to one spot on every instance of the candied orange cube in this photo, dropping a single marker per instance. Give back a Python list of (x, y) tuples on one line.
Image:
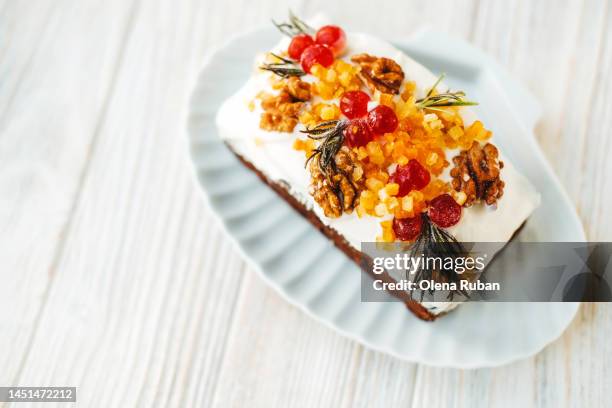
[(324, 90), (416, 195), (455, 132), (392, 189), (367, 199), (374, 184), (381, 210), (305, 145), (483, 134), (380, 175), (388, 235), (388, 147), (360, 210), (307, 118), (407, 203), (459, 197), (372, 147), (330, 75), (409, 88), (345, 79), (342, 66), (399, 213), (472, 131), (330, 112), (387, 99), (405, 109), (432, 158), (411, 153), (317, 70), (392, 203)]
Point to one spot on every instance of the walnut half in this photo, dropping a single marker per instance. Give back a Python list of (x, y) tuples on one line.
[(380, 73), (477, 174), (281, 111), (337, 191)]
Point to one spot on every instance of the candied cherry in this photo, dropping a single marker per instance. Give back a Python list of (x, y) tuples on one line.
[(298, 44), (316, 54), (357, 133), (354, 104), (382, 119), (333, 37), (444, 211), (407, 229), (411, 176)]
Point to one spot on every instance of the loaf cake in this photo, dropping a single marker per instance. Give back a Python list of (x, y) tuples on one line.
[(370, 146)]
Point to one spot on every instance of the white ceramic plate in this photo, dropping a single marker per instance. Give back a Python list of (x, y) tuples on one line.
[(311, 273)]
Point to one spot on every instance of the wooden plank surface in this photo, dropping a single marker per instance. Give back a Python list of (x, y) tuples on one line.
[(53, 95), (116, 277)]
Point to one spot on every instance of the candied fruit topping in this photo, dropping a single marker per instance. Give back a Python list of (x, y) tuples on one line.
[(298, 44), (388, 235), (354, 104), (399, 147), (408, 229), (333, 37), (357, 133), (382, 119), (334, 81), (319, 112), (305, 145), (411, 176), (444, 211), (316, 54)]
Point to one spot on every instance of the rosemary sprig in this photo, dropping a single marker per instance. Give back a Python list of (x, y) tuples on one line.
[(294, 27), (330, 134), (285, 68), (436, 242), (436, 101)]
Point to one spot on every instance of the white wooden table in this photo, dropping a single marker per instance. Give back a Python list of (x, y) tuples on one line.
[(116, 278)]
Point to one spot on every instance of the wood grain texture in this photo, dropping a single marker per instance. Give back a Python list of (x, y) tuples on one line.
[(53, 95), (117, 279)]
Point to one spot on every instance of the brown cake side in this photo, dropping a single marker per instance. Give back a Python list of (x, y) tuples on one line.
[(338, 240)]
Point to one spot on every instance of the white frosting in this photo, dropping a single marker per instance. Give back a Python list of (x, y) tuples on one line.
[(272, 153)]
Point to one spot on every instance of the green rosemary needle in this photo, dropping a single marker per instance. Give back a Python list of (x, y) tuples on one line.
[(436, 242), (444, 99), (294, 27), (285, 68)]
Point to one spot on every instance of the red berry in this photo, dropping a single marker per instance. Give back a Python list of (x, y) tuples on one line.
[(354, 104), (332, 37), (316, 54), (407, 229), (298, 44), (411, 176), (382, 119), (444, 211), (357, 133)]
